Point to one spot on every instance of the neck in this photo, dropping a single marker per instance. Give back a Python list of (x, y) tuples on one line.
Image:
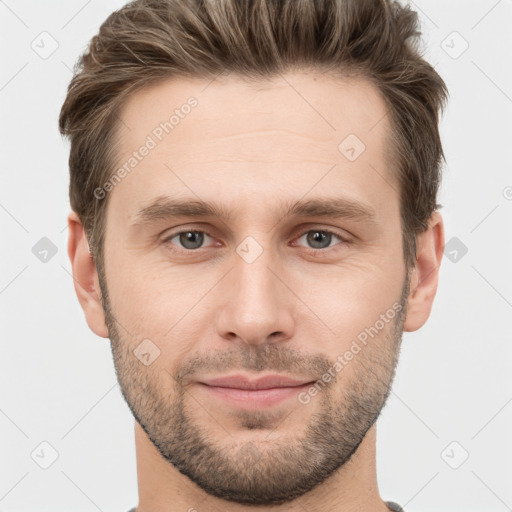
[(352, 488)]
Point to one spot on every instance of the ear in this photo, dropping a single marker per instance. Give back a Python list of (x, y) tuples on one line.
[(425, 275), (85, 277)]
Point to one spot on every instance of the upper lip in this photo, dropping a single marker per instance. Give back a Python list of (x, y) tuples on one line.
[(266, 382)]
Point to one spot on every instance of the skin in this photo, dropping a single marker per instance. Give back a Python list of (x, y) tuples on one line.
[(251, 149)]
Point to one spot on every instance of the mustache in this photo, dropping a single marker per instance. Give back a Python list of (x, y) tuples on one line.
[(261, 358)]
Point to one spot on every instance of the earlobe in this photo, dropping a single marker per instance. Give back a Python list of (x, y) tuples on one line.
[(425, 275), (85, 277)]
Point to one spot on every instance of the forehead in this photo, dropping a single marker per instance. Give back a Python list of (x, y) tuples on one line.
[(215, 137)]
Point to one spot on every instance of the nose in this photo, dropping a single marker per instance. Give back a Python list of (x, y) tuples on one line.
[(257, 307)]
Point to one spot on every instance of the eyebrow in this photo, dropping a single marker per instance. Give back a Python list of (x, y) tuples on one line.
[(165, 207)]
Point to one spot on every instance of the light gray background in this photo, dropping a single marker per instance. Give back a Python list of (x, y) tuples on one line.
[(453, 381)]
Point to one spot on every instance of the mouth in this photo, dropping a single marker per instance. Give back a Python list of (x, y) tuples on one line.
[(243, 392)]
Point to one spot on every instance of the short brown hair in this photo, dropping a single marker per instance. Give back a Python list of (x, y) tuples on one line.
[(150, 40)]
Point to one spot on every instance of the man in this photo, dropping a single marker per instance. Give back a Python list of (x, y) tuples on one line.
[(254, 225)]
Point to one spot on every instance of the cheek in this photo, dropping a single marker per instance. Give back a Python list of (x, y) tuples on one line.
[(354, 302), (162, 304)]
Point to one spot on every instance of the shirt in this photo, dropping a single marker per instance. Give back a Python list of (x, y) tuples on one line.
[(391, 505)]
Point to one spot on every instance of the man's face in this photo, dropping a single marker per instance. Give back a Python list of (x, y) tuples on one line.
[(264, 290)]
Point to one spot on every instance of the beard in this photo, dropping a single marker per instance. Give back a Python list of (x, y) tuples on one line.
[(260, 471)]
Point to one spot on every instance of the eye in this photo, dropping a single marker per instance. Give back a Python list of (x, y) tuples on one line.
[(320, 239), (189, 240)]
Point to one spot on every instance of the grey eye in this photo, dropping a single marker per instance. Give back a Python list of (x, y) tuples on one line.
[(191, 239), (319, 239)]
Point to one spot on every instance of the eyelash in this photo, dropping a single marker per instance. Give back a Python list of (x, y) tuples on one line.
[(309, 250)]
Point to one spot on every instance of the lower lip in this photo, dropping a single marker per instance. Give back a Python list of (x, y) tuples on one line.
[(254, 398)]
